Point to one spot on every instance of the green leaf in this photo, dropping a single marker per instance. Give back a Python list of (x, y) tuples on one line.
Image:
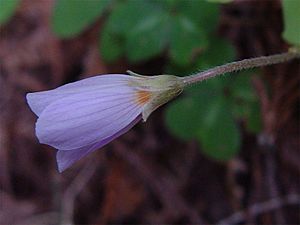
[(187, 40), (202, 13), (7, 9), (241, 88), (183, 118), (213, 87), (145, 31), (220, 1), (291, 15), (126, 15), (148, 37), (111, 45), (254, 122), (219, 51), (208, 119), (72, 17), (244, 101), (219, 136), (170, 4)]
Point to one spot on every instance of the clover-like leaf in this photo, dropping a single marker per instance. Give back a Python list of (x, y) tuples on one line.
[(291, 15), (183, 118), (72, 17), (187, 40), (110, 45), (219, 1), (219, 51), (7, 9), (219, 136), (204, 14), (148, 37)]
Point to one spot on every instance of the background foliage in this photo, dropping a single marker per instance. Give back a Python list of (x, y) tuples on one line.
[(185, 33)]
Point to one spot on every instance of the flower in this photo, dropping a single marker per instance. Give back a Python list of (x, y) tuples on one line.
[(81, 117)]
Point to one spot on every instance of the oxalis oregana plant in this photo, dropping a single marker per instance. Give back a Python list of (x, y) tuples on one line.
[(81, 117)]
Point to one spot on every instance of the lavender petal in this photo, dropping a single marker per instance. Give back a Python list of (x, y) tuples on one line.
[(83, 119), (66, 158), (38, 101)]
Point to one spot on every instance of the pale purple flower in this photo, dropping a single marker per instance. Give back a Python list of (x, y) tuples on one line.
[(83, 116)]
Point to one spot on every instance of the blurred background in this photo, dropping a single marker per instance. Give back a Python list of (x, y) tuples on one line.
[(225, 152)]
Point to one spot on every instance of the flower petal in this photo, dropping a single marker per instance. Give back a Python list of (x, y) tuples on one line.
[(66, 158), (38, 101), (86, 118)]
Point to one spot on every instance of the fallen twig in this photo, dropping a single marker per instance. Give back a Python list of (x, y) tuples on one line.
[(260, 208)]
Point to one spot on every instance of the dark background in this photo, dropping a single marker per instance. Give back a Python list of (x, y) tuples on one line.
[(147, 175)]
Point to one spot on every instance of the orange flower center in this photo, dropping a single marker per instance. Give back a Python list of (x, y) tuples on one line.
[(143, 97)]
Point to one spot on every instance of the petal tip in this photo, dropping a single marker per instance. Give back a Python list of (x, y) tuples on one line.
[(62, 162), (32, 102)]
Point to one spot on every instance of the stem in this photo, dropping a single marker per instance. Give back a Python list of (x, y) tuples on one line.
[(239, 65)]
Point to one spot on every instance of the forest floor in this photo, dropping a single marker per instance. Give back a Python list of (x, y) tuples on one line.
[(146, 176)]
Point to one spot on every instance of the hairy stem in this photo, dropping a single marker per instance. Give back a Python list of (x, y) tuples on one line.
[(243, 64)]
